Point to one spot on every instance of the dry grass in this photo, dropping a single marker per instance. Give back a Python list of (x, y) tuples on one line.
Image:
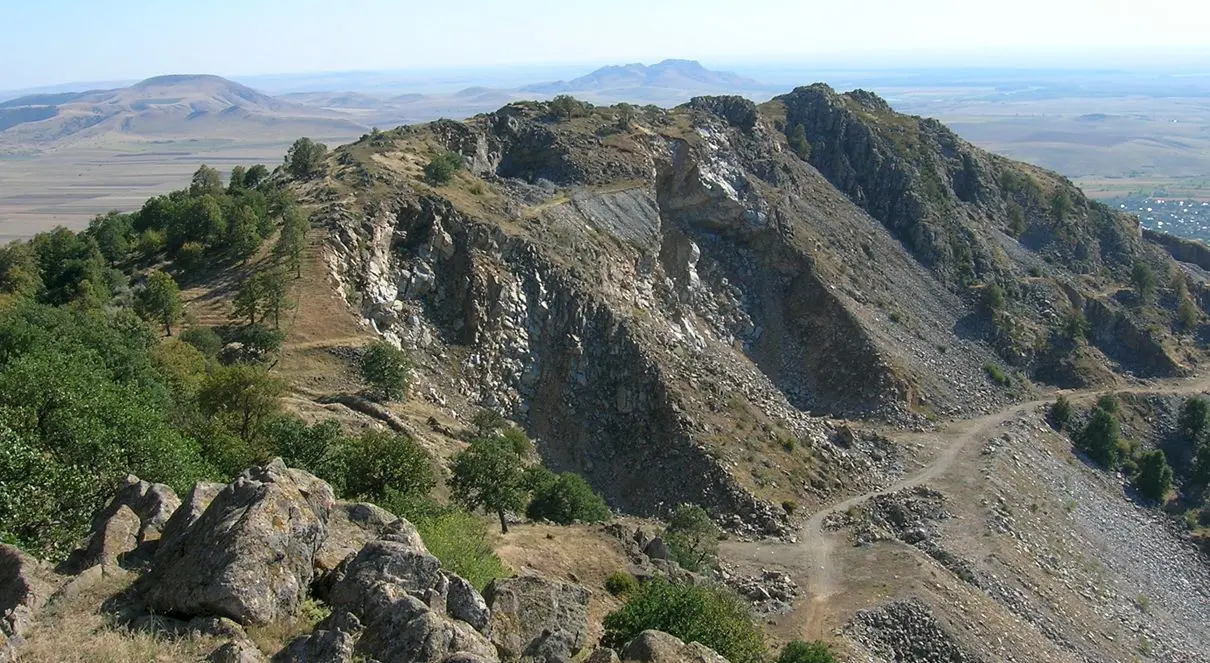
[(74, 629), (579, 553)]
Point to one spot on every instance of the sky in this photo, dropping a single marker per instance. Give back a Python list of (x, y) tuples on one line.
[(46, 42)]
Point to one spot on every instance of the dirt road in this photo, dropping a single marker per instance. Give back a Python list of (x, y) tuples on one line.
[(812, 556)]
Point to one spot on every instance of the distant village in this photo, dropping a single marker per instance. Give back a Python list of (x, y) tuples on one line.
[(1184, 218)]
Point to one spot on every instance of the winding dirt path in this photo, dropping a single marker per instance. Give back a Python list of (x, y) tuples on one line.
[(812, 555)]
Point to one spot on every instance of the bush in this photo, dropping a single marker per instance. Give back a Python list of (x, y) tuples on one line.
[(566, 107), (692, 538), (190, 256), (1155, 475), (997, 374), (1100, 438), (260, 341), (567, 499), (460, 540), (385, 368), (1192, 423), (205, 339), (1060, 413), (712, 617), (443, 166), (621, 583), (1143, 280), (798, 651), (380, 461), (993, 297)]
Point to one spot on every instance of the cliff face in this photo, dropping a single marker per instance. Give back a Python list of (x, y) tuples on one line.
[(661, 294)]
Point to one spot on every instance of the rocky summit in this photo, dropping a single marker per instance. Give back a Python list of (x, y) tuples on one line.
[(691, 291)]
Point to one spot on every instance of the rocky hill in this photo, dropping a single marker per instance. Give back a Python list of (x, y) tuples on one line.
[(176, 106), (683, 75), (703, 290)]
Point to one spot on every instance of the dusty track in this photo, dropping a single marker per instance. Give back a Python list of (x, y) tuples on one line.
[(812, 558)]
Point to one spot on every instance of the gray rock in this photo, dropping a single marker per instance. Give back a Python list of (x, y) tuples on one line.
[(405, 629), (129, 528), (236, 651), (603, 655), (657, 549), (331, 642), (250, 556), (188, 513), (660, 647), (25, 585), (463, 602), (538, 619), (350, 526), (384, 571)]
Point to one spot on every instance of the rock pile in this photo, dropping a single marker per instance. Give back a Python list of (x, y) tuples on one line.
[(907, 632), (771, 592)]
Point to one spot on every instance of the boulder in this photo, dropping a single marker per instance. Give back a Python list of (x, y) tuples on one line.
[(129, 528), (250, 556), (538, 619), (25, 585), (463, 602), (406, 630), (332, 641), (236, 651), (603, 655), (350, 526), (660, 647), (188, 513), (385, 570), (657, 549)]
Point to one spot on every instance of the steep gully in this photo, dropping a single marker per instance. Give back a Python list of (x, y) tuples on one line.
[(812, 554)]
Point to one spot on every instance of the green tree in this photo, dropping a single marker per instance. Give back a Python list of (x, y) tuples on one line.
[(565, 107), (797, 651), (797, 138), (248, 300), (1155, 475), (205, 339), (565, 499), (305, 158), (490, 475), (442, 167), (1060, 413), (382, 465), (292, 241), (1100, 438), (692, 537), (236, 181), (462, 543), (160, 300), (386, 369), (274, 289), (703, 614), (191, 257), (241, 398), (1187, 313), (243, 233), (993, 297), (114, 235), (1060, 205), (1143, 280), (1193, 419), (255, 175), (20, 275), (206, 180)]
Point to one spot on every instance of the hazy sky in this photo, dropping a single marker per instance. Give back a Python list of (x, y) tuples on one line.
[(54, 41)]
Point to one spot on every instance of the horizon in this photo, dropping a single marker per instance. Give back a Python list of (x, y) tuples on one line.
[(129, 40)]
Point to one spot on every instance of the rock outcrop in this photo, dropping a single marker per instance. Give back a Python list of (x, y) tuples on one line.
[(660, 647), (25, 586), (539, 620), (393, 602), (129, 528), (250, 556)]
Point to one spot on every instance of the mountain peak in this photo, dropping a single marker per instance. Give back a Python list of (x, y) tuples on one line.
[(671, 74)]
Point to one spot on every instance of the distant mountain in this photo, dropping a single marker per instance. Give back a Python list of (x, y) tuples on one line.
[(164, 106), (686, 75)]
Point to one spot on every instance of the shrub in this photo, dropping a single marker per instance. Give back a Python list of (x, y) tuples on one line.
[(1108, 403), (692, 538), (567, 499), (317, 449), (997, 374), (1143, 280), (712, 617), (566, 107), (205, 339), (1155, 475), (378, 461), (260, 341), (1060, 413), (1195, 413), (443, 166), (621, 583), (190, 256), (1100, 438), (460, 540), (1187, 313), (385, 368), (798, 651), (993, 297)]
